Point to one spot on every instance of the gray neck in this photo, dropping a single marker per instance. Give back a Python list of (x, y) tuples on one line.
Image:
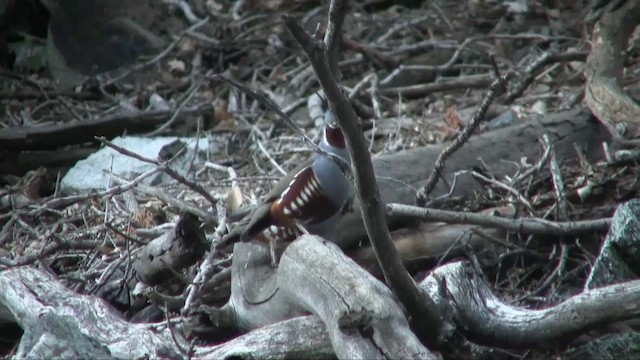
[(336, 187)]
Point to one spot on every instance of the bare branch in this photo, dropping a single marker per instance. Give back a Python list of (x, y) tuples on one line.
[(425, 319), (522, 225), (495, 89), (333, 35)]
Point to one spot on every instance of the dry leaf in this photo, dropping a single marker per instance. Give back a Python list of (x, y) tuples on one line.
[(452, 118), (187, 46), (177, 65), (453, 121), (234, 199), (149, 216), (224, 118), (33, 183)]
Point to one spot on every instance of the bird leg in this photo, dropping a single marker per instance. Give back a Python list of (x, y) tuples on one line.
[(275, 259), (275, 249), (302, 229)]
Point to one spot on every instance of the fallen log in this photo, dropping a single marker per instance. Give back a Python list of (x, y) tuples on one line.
[(399, 175), (472, 308), (362, 315), (59, 323)]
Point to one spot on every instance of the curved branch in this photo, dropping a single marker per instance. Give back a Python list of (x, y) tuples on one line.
[(485, 319), (421, 308)]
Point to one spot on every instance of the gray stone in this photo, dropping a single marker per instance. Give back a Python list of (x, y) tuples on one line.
[(90, 173), (619, 258)]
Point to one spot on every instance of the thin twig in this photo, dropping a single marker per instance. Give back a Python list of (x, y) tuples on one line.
[(177, 112), (537, 167), (172, 333), (186, 10), (62, 202), (498, 86), (269, 104), (557, 272), (534, 68), (170, 200), (510, 189), (558, 183), (207, 266), (270, 158), (164, 167), (523, 225)]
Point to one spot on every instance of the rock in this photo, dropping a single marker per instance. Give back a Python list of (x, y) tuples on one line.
[(90, 173), (88, 37), (619, 258)]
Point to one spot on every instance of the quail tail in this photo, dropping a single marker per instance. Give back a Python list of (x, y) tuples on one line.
[(248, 228), (260, 220)]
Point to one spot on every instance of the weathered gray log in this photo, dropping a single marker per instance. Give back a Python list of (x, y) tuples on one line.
[(400, 174), (468, 302), (255, 299), (59, 323), (362, 316), (158, 262), (428, 243), (165, 256), (299, 338)]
